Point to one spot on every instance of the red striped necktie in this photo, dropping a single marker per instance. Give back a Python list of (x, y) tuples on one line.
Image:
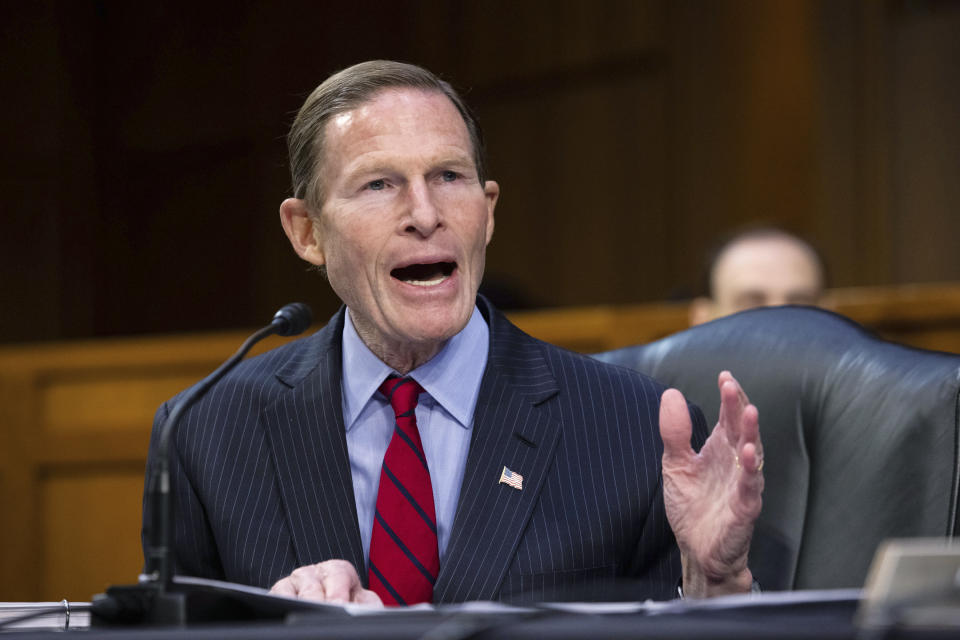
[(404, 559)]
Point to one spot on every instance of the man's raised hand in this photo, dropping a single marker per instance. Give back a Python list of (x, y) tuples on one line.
[(713, 497)]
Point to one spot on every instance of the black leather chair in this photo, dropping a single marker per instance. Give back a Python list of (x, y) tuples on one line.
[(860, 434)]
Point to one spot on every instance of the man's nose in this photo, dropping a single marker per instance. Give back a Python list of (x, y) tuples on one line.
[(424, 215)]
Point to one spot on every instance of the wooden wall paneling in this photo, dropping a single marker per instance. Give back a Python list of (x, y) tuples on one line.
[(745, 110), (889, 140), (20, 551), (921, 315), (7, 573), (778, 135), (84, 125), (852, 219), (526, 240), (873, 233), (488, 45), (582, 210), (43, 147), (148, 163), (614, 228), (835, 220), (91, 429), (705, 87), (172, 159), (925, 140), (76, 419), (599, 328), (91, 533)]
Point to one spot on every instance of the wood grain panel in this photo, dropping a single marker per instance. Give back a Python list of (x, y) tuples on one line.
[(20, 552), (925, 144), (109, 402), (614, 181), (91, 533), (627, 135)]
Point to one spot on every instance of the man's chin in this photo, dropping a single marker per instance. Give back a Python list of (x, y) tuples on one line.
[(430, 327), (435, 334)]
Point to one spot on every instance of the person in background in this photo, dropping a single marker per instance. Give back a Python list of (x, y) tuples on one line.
[(759, 267)]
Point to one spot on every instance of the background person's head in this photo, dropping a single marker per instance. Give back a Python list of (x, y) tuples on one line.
[(760, 267)]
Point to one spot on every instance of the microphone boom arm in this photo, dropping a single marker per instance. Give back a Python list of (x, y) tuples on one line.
[(160, 560)]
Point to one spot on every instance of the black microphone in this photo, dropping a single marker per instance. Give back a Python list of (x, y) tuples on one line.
[(293, 319), (146, 598)]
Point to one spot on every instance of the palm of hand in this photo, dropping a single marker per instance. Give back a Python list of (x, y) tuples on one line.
[(713, 498), (704, 509)]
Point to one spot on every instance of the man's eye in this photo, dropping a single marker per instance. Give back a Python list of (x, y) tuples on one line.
[(449, 176), (376, 185)]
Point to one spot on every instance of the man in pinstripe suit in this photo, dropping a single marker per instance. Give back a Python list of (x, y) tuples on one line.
[(277, 468)]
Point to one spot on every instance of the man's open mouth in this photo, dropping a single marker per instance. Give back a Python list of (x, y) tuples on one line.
[(424, 275)]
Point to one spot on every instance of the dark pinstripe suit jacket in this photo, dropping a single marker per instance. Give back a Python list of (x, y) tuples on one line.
[(262, 478)]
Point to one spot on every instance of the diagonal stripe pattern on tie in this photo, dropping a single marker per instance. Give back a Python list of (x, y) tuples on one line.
[(404, 559)]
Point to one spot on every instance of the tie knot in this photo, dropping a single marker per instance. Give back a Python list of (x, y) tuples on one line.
[(402, 393)]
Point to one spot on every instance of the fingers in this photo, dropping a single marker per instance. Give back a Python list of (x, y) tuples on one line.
[(365, 596), (675, 427), (726, 376), (308, 583), (284, 588), (750, 436), (738, 418), (743, 420), (732, 402), (340, 582), (749, 486), (750, 449), (330, 581), (750, 480)]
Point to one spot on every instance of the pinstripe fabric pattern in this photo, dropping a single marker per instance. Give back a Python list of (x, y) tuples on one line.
[(263, 481), (261, 476)]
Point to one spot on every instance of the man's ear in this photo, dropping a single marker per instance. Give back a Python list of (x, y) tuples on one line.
[(492, 192), (302, 230), (701, 310)]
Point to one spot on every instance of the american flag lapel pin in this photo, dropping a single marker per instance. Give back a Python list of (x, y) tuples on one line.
[(511, 479)]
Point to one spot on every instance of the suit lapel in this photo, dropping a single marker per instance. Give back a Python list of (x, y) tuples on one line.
[(511, 429), (306, 432)]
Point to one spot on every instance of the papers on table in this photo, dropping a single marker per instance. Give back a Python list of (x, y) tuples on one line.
[(51, 616)]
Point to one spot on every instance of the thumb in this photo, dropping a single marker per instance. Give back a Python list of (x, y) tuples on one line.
[(675, 427)]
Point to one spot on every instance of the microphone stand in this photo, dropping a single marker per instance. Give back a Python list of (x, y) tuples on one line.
[(156, 598)]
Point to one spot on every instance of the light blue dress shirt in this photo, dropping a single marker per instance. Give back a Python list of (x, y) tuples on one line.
[(451, 380)]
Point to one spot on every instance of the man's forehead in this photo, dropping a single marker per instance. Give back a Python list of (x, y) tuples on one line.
[(766, 262), (766, 249), (344, 118), (393, 121), (398, 105), (446, 156)]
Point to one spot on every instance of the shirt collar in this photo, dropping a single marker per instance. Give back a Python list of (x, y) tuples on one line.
[(452, 377)]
